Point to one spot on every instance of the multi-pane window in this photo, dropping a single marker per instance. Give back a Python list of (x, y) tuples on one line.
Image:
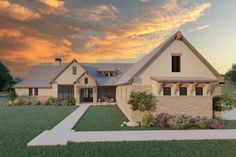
[(183, 91), (175, 63), (86, 80), (74, 70), (65, 92), (36, 91), (166, 91), (199, 91), (30, 91)]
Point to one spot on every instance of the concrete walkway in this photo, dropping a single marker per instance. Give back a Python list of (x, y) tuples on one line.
[(229, 115), (62, 133), (150, 135)]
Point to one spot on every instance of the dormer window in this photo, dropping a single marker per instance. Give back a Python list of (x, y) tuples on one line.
[(107, 73)]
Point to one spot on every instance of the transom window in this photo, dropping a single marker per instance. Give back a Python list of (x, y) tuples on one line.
[(74, 70), (183, 91), (175, 63), (167, 91), (199, 91)]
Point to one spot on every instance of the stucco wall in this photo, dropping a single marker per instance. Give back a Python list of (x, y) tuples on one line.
[(80, 81), (191, 66), (22, 91), (67, 76), (122, 98)]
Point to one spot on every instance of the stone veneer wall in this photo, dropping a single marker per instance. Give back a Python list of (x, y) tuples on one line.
[(187, 105)]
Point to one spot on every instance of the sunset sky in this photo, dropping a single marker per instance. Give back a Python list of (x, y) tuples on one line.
[(36, 31)]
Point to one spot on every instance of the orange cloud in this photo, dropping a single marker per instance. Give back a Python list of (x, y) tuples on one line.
[(53, 3), (17, 12), (6, 33)]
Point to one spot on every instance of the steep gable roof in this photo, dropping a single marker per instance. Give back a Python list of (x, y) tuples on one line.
[(142, 64), (40, 76)]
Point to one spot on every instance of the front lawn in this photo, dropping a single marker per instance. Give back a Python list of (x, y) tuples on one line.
[(100, 118), (19, 125)]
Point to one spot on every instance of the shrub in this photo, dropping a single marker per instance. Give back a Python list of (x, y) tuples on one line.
[(147, 121), (215, 124), (180, 122), (142, 101), (162, 118), (202, 122), (52, 101)]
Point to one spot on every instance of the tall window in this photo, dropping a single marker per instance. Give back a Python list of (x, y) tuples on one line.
[(86, 80), (74, 70), (30, 91), (65, 92), (36, 91), (167, 91), (199, 91), (183, 91), (175, 63)]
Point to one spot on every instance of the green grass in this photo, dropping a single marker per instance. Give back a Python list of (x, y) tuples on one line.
[(18, 125), (100, 118), (230, 124)]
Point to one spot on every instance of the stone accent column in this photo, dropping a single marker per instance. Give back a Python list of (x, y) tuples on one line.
[(94, 95)]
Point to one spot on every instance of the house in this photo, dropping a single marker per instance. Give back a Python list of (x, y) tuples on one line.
[(182, 81)]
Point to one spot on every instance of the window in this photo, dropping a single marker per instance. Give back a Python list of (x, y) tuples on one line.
[(106, 73), (74, 70), (65, 92), (30, 91), (175, 63), (199, 91), (183, 91), (112, 73), (85, 80), (36, 91), (167, 91)]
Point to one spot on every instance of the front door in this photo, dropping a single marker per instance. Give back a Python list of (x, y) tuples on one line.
[(86, 95)]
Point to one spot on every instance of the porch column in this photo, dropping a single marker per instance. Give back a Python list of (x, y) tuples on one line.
[(94, 95)]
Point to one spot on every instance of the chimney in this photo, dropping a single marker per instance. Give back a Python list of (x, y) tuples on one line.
[(58, 61)]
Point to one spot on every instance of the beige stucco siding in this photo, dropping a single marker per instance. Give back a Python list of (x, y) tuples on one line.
[(45, 92), (81, 81), (191, 65), (22, 91), (41, 92), (67, 76)]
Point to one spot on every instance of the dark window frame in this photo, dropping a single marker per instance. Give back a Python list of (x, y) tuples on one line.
[(30, 91), (167, 91), (74, 70), (65, 92), (176, 63), (36, 91), (198, 91), (183, 91)]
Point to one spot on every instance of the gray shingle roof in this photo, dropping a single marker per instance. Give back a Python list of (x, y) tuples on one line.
[(42, 75), (120, 69)]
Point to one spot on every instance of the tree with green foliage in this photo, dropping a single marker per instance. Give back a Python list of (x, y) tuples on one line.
[(222, 103), (231, 74), (5, 77), (142, 101)]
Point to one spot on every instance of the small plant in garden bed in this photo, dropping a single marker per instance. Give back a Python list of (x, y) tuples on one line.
[(50, 101), (187, 122)]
